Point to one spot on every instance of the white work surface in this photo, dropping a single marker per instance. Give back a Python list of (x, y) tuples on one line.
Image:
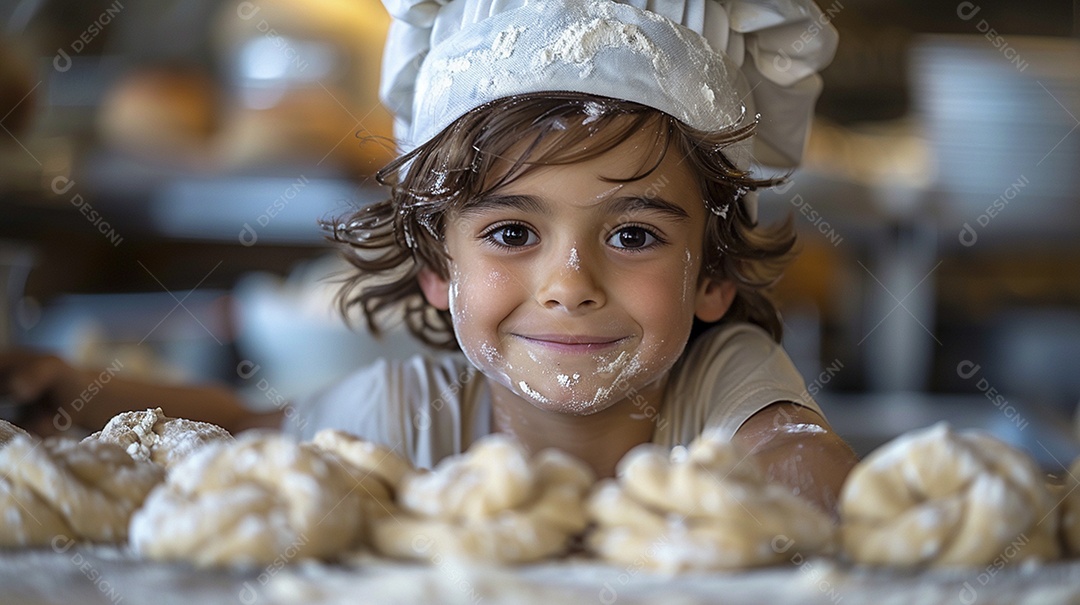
[(92, 575)]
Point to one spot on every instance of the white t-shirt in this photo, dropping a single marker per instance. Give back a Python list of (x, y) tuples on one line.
[(428, 408)]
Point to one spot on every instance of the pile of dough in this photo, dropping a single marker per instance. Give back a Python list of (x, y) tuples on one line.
[(376, 471), (941, 497), (9, 431), (704, 507), (492, 503), (259, 499), (151, 435), (81, 491)]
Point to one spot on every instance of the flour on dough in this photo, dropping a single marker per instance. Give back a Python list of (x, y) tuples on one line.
[(151, 435)]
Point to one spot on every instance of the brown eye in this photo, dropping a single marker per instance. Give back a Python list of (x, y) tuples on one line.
[(512, 236), (632, 238), (515, 235)]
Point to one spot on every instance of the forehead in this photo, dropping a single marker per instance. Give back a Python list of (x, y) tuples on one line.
[(610, 186), (618, 151)]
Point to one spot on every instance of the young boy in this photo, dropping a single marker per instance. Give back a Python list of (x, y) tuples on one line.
[(574, 204)]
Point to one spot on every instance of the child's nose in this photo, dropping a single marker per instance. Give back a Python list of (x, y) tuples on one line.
[(570, 282)]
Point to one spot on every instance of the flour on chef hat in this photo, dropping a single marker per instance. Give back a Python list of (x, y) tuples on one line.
[(710, 63)]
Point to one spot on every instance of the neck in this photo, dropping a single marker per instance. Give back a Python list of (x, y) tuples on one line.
[(599, 439)]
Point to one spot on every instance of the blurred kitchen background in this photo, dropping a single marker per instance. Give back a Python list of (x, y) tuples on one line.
[(164, 164)]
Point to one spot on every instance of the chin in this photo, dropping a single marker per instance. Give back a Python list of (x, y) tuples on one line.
[(570, 403)]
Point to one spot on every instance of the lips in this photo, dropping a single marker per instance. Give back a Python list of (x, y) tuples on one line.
[(572, 343)]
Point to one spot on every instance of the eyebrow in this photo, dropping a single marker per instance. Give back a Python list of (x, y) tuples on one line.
[(524, 203), (625, 205), (534, 205)]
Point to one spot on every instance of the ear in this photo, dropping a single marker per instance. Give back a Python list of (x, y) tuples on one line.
[(713, 299), (436, 289)]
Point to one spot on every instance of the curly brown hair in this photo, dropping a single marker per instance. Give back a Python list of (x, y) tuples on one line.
[(388, 242)]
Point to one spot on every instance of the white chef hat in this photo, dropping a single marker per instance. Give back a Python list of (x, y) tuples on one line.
[(708, 63)]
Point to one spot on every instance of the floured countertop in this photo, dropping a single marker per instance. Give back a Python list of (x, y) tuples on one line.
[(91, 575)]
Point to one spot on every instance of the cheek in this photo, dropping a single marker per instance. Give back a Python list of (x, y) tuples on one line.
[(496, 278), (663, 295), (662, 303), (479, 300)]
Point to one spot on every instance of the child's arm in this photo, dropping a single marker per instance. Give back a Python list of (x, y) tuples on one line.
[(64, 395), (798, 448)]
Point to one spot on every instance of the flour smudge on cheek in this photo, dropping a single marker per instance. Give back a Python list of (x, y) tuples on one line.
[(457, 312), (688, 285), (478, 347), (496, 279)]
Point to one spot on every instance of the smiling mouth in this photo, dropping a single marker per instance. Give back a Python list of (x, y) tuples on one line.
[(573, 344)]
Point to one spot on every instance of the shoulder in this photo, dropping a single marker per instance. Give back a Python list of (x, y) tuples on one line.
[(728, 374), (730, 354), (730, 348)]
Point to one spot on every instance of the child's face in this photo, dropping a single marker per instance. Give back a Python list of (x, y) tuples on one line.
[(575, 292)]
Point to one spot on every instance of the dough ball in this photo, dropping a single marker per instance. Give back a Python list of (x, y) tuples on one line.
[(82, 491), (493, 503), (947, 498), (375, 470), (151, 435), (9, 431), (259, 499), (705, 507)]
